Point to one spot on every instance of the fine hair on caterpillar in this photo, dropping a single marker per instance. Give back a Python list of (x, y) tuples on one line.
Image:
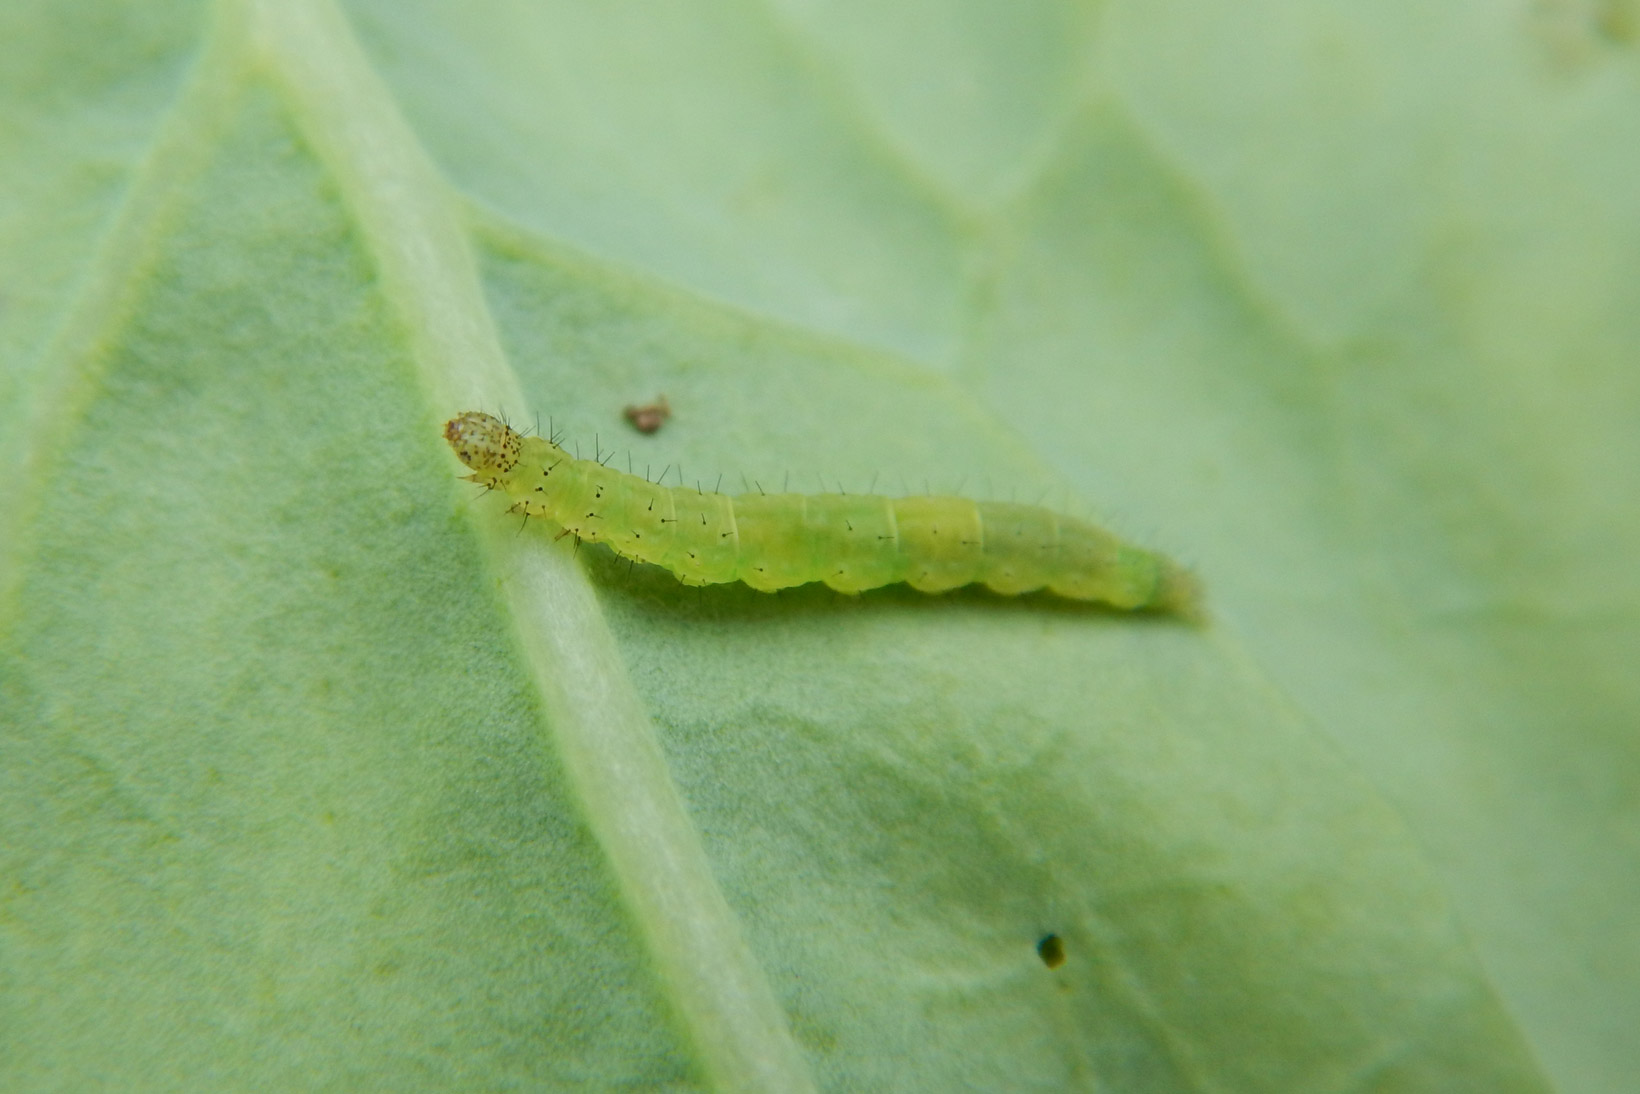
[(852, 542)]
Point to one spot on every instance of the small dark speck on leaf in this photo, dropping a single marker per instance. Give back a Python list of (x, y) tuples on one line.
[(1051, 950), (649, 418)]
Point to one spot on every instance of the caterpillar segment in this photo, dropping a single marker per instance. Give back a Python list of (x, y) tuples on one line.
[(850, 542)]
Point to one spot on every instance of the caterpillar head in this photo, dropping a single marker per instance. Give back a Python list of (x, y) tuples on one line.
[(486, 444)]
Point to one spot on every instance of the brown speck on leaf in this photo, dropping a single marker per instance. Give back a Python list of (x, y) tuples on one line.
[(650, 417)]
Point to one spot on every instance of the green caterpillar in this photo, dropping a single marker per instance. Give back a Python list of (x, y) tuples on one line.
[(852, 542)]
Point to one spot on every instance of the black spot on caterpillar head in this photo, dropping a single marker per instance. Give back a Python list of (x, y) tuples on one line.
[(1052, 951), (482, 442)]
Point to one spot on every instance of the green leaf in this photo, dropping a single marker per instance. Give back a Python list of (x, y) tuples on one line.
[(318, 772)]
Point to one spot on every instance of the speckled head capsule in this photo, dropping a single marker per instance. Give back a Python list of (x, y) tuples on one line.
[(483, 442)]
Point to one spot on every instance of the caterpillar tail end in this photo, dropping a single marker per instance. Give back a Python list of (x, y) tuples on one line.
[(1178, 593)]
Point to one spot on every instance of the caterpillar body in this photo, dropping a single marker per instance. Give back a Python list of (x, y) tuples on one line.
[(852, 542)]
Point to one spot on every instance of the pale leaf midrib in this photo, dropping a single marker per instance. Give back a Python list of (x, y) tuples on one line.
[(413, 227)]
